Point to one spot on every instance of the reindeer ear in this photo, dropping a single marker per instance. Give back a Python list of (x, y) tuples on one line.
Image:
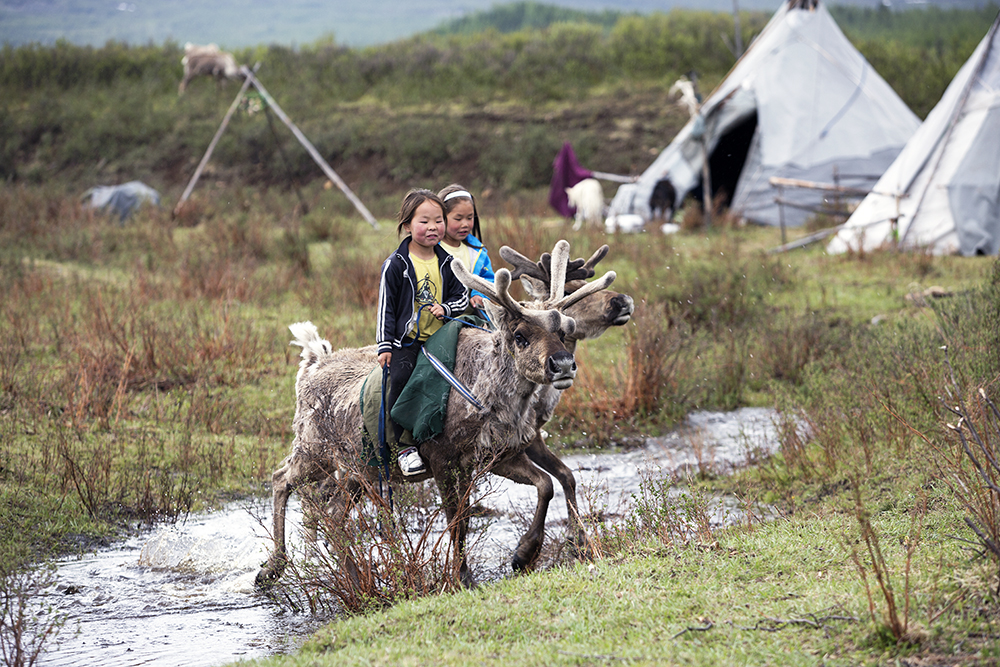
[(534, 288)]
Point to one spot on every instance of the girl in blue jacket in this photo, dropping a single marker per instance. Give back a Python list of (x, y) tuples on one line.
[(417, 290), (462, 235)]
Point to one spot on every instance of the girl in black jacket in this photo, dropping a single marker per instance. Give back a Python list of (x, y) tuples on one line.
[(417, 290)]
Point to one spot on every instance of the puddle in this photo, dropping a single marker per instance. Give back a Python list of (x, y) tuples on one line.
[(183, 595)]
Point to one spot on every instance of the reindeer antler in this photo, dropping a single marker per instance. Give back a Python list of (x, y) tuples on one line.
[(498, 291), (541, 270), (577, 269)]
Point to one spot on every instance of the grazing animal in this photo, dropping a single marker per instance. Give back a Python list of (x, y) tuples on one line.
[(206, 61), (587, 198), (593, 316), (502, 368), (663, 200)]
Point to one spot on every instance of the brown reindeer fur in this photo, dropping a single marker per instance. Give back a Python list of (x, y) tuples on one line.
[(502, 368), (593, 316)]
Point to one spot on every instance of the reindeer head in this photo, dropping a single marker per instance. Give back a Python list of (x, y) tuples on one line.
[(595, 312), (532, 336)]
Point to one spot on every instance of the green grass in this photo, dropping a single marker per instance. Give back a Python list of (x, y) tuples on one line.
[(146, 373), (783, 593)]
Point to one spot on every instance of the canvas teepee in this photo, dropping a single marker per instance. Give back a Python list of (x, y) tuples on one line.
[(801, 103), (943, 191)]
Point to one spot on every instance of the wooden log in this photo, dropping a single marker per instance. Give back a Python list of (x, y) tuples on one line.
[(778, 181)]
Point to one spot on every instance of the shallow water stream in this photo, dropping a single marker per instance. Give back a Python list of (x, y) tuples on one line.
[(183, 595)]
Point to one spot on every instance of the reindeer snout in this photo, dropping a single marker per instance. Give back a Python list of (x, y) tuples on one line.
[(561, 369), (620, 309)]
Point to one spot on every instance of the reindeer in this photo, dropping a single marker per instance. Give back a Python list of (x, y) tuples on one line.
[(208, 61), (502, 368), (593, 316)]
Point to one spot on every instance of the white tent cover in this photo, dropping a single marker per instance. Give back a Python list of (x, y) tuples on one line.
[(822, 114), (943, 191)]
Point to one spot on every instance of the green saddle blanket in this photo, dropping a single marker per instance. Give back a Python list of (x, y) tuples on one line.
[(423, 403)]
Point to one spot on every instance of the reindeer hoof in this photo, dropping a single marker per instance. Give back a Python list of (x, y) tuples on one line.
[(519, 564), (267, 576)]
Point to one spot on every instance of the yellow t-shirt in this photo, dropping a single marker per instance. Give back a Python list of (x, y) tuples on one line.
[(462, 252), (428, 275)]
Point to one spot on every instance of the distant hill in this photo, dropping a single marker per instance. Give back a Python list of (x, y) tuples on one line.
[(242, 23)]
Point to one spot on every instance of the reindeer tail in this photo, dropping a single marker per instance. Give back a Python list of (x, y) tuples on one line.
[(307, 337)]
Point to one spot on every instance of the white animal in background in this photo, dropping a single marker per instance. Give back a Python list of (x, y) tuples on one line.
[(688, 98), (587, 198), (206, 61)]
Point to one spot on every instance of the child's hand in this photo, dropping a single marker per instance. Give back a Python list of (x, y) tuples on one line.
[(384, 359), (476, 301), (437, 310)]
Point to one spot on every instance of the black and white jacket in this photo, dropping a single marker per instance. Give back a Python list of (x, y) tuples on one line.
[(397, 289)]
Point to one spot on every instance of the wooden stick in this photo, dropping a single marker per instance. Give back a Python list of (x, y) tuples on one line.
[(806, 240), (330, 173), (215, 140), (604, 176), (812, 185)]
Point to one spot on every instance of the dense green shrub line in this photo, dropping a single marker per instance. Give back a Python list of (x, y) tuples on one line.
[(411, 110)]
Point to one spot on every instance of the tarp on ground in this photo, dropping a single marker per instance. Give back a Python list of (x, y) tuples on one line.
[(123, 199)]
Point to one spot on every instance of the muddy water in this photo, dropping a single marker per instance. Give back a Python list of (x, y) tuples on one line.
[(183, 595)]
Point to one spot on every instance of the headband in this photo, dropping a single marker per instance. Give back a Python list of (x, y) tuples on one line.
[(457, 193)]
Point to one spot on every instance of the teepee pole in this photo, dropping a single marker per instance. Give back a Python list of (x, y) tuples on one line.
[(330, 173), (211, 146)]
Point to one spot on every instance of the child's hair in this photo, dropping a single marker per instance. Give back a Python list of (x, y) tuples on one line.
[(451, 196), (411, 201)]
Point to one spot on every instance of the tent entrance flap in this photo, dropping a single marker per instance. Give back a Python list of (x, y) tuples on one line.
[(726, 162)]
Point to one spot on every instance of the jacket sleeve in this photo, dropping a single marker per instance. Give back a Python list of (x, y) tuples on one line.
[(385, 316), (484, 269), (455, 296)]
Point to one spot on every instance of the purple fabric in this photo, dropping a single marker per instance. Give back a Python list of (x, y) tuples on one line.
[(566, 172)]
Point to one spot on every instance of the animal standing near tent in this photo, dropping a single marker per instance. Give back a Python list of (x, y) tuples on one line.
[(587, 198), (802, 103), (943, 191), (502, 368)]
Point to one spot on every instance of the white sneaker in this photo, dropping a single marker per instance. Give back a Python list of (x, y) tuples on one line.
[(410, 462)]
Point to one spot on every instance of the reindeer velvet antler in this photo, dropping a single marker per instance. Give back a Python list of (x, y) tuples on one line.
[(575, 269), (543, 271)]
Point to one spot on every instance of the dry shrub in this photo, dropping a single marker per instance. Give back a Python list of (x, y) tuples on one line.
[(662, 510), (787, 349), (399, 552), (357, 278), (654, 362), (970, 463), (651, 385), (28, 626)]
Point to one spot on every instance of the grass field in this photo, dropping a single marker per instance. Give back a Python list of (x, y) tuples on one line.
[(147, 374)]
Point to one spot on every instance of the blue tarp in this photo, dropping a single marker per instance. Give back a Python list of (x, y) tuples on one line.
[(122, 199)]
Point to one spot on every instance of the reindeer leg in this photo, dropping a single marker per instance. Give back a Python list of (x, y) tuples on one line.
[(454, 482), (520, 469), (281, 490), (545, 459)]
